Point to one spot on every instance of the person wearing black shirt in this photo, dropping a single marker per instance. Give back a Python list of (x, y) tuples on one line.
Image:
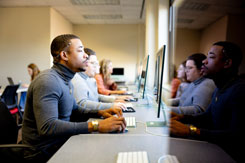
[(222, 123)]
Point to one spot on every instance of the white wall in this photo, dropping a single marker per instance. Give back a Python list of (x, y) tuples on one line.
[(213, 33), (119, 43), (24, 38), (58, 25), (187, 43), (236, 34)]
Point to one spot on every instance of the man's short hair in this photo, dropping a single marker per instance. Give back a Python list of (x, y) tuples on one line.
[(89, 52), (61, 43), (197, 58), (231, 51)]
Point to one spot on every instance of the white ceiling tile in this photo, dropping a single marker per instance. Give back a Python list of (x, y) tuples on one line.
[(130, 11)]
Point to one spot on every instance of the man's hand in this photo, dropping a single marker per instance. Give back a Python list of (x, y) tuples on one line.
[(119, 105), (175, 116), (179, 129), (109, 112), (112, 124)]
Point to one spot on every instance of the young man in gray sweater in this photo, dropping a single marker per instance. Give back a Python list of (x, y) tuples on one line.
[(51, 113)]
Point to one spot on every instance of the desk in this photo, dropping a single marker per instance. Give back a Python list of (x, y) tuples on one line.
[(103, 148)]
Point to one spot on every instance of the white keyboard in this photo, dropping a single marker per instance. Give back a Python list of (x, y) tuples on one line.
[(130, 121), (132, 157), (129, 105)]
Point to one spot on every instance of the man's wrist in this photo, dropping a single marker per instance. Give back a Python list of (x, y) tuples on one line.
[(95, 125), (193, 130)]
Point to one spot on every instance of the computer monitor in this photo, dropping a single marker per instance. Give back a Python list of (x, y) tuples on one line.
[(161, 57), (144, 74), (118, 74), (156, 78), (118, 71), (10, 80)]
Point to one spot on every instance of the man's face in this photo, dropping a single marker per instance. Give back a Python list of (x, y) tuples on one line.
[(214, 63), (93, 65), (77, 58), (192, 73)]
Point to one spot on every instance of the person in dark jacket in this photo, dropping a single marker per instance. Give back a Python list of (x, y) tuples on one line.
[(222, 123)]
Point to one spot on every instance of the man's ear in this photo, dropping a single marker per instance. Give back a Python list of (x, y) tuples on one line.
[(228, 63), (64, 55)]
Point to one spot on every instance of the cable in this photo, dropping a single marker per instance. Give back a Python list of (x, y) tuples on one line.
[(160, 158), (146, 130)]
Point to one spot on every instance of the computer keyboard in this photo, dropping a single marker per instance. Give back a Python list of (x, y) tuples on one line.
[(130, 121), (132, 157), (131, 100), (129, 108), (129, 105), (169, 159)]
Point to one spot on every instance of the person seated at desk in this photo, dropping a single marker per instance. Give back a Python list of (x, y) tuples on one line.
[(106, 85), (222, 123), (33, 71), (51, 113), (85, 88), (182, 76), (197, 96), (175, 83)]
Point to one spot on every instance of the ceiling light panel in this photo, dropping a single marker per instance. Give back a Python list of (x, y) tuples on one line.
[(95, 2), (195, 6), (102, 16)]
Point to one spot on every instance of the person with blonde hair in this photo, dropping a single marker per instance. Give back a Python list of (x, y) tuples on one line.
[(106, 85), (33, 70)]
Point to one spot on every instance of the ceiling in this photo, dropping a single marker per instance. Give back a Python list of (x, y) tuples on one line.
[(197, 14), (193, 14), (89, 11)]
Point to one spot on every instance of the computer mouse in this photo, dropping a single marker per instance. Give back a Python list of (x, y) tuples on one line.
[(115, 132)]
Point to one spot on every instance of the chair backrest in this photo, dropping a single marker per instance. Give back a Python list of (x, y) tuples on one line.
[(9, 96), (8, 126)]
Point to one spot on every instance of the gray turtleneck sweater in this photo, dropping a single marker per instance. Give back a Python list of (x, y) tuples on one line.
[(196, 97), (49, 106)]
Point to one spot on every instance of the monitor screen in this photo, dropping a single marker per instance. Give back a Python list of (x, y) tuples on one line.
[(118, 71), (10, 80), (144, 73), (143, 76), (161, 57)]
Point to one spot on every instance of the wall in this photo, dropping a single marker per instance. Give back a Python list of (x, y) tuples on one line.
[(24, 38), (187, 43), (26, 34), (213, 33), (236, 34), (119, 43), (58, 25)]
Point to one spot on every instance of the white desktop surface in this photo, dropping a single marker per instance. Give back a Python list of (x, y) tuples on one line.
[(103, 148)]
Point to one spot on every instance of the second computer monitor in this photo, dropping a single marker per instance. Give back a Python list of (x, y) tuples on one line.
[(144, 74), (161, 59)]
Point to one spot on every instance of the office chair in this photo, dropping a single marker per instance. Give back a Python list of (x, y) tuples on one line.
[(10, 98), (10, 151)]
